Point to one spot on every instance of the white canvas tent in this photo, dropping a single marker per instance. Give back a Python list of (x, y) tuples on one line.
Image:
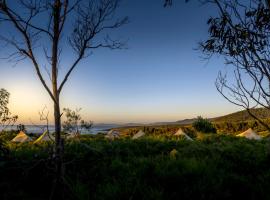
[(45, 137), (180, 132), (21, 137), (112, 134), (250, 134), (138, 135)]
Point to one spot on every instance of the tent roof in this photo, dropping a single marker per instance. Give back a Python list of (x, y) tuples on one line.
[(250, 134), (180, 132), (21, 137), (45, 137), (139, 134), (112, 134)]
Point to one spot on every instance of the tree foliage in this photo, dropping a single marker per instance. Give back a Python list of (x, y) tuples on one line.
[(204, 125), (74, 122), (241, 34), (6, 118)]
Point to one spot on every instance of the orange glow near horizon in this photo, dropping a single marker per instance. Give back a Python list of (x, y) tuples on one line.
[(28, 97), (27, 101)]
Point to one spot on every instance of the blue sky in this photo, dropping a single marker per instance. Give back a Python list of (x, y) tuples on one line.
[(160, 77)]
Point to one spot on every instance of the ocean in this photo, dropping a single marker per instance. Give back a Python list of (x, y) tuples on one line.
[(38, 129)]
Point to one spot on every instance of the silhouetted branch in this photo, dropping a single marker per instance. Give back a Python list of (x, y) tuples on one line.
[(22, 27), (241, 33), (92, 20)]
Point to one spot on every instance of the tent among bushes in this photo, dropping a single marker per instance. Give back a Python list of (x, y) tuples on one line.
[(45, 137), (21, 137), (180, 132), (250, 134), (138, 135), (112, 134)]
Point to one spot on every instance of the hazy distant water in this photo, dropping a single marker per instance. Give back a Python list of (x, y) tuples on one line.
[(100, 128)]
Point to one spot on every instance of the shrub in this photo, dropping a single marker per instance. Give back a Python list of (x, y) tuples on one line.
[(4, 151), (204, 125)]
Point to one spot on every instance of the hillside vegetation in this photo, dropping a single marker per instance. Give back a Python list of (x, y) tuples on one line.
[(241, 116)]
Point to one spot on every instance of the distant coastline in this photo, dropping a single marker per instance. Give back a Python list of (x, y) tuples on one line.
[(38, 129)]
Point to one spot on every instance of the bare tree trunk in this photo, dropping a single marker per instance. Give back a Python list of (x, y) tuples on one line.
[(56, 18), (92, 18), (57, 116), (57, 123)]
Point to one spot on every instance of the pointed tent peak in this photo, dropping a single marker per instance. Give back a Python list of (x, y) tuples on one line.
[(250, 134), (112, 134), (21, 137), (45, 137), (112, 131), (139, 134), (247, 132), (180, 132), (250, 130), (21, 133)]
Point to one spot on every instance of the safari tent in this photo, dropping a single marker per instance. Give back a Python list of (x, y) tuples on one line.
[(180, 132), (21, 138), (250, 134), (112, 134), (138, 135), (45, 137)]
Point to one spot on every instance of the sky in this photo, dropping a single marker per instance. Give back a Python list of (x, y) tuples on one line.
[(161, 76)]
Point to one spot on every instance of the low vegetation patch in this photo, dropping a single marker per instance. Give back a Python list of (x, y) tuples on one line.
[(215, 167)]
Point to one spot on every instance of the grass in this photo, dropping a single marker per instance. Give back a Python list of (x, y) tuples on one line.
[(214, 167)]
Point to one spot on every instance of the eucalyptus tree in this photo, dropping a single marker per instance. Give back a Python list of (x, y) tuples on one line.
[(74, 122), (241, 34), (6, 118)]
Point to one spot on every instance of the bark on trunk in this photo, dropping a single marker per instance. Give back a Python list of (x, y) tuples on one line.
[(57, 120), (59, 146)]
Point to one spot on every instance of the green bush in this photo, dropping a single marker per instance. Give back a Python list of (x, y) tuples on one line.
[(4, 151), (204, 125)]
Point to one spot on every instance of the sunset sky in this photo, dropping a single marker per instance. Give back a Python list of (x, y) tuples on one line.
[(160, 77)]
